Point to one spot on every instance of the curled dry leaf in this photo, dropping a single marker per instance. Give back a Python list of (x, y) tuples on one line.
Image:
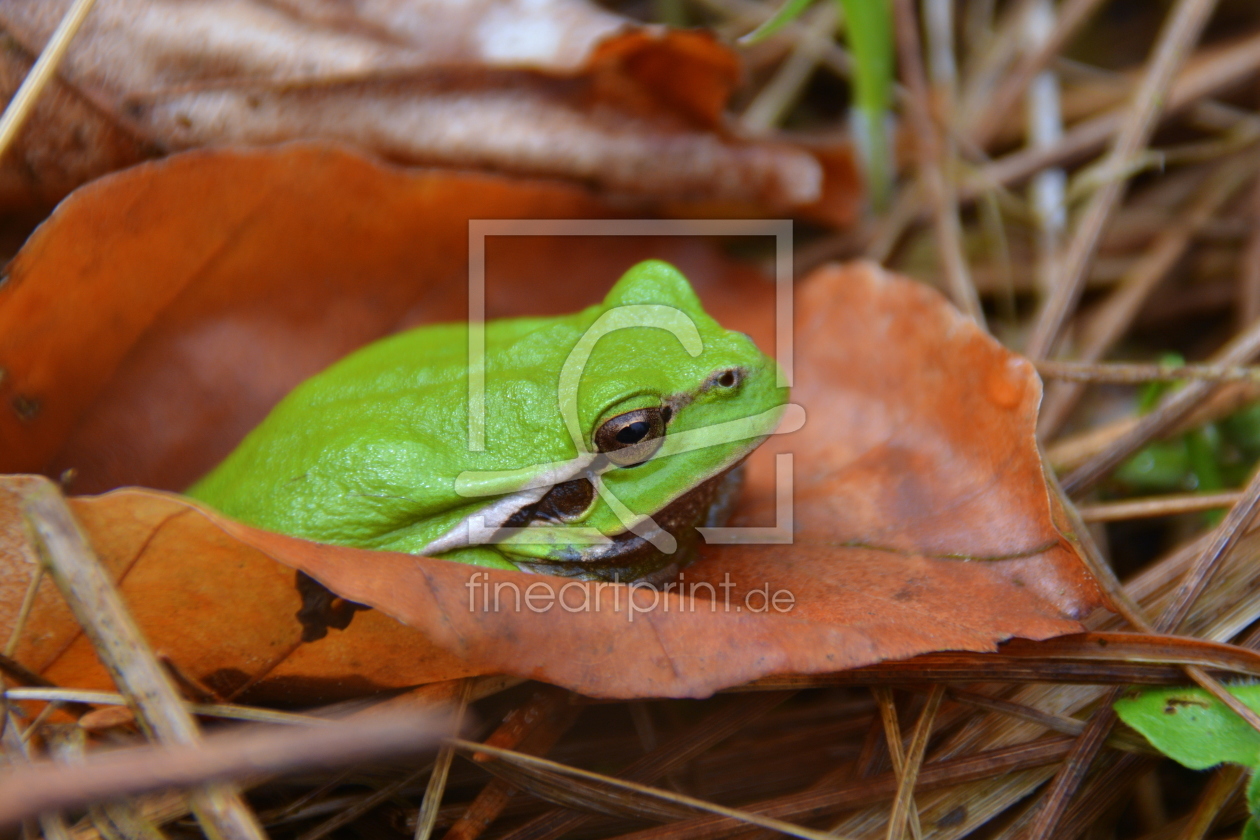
[(559, 88), (921, 519)]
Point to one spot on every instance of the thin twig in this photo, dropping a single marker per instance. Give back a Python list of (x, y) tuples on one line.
[(364, 805), (1063, 787), (1122, 305), (1047, 194), (1169, 505), (1003, 101), (1172, 409), (1218, 70), (24, 611), (1226, 781), (130, 661), (441, 770), (893, 741), (766, 110), (563, 770), (1097, 564), (1136, 373), (903, 802), (227, 711), (27, 95), (1181, 32), (48, 786), (712, 730), (1249, 263), (1224, 538), (932, 158)]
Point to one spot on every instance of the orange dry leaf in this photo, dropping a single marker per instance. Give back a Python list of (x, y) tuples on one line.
[(145, 333), (561, 89)]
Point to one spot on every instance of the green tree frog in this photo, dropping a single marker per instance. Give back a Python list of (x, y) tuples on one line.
[(588, 445)]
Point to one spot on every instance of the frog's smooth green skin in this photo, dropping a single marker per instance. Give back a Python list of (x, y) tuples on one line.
[(374, 451)]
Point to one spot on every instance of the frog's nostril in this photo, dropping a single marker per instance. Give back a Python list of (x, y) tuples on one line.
[(729, 378)]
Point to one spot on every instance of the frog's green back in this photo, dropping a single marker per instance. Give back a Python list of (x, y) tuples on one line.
[(366, 452)]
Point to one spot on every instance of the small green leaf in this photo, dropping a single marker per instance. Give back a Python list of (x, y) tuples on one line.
[(1159, 468), (1194, 728), (1243, 429), (787, 13)]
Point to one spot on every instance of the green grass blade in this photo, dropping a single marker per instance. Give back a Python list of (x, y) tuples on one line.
[(787, 13), (868, 30)]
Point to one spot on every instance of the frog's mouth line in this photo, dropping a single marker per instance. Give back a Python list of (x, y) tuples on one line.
[(551, 498), (632, 557)]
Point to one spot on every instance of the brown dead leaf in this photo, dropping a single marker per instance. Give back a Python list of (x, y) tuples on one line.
[(152, 331), (243, 273), (558, 89)]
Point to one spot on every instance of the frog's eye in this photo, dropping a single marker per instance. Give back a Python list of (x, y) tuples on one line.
[(729, 378), (630, 439)]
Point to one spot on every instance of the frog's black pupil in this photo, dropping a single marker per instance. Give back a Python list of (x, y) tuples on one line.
[(634, 433)]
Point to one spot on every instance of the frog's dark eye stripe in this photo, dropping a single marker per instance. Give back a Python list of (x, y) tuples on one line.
[(630, 439)]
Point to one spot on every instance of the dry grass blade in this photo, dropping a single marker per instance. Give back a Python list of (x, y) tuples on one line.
[(363, 806), (903, 802), (100, 611), (1001, 102), (441, 770), (227, 711), (1083, 540), (17, 751), (1064, 786), (1224, 539), (874, 790), (16, 670), (1249, 265), (46, 786), (534, 728), (1221, 69), (1185, 23), (932, 161), (1055, 723), (1071, 453), (1227, 780), (893, 740), (716, 728), (1170, 505), (1116, 314), (1174, 408), (543, 766), (23, 101), (1048, 191), (24, 613)]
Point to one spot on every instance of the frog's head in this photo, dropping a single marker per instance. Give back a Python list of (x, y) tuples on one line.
[(664, 402)]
